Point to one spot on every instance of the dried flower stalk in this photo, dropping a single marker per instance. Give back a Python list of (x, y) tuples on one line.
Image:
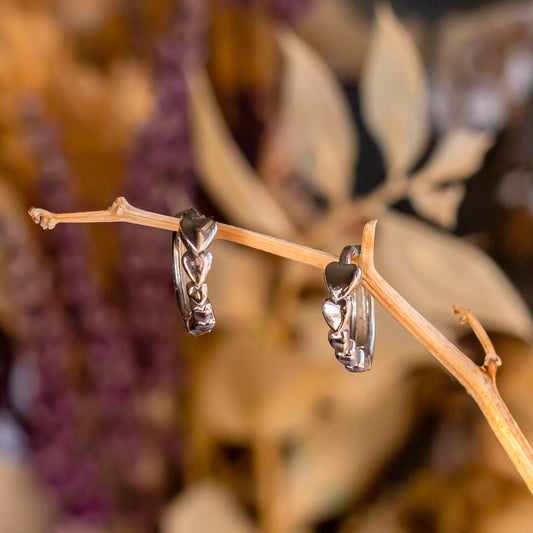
[(479, 382)]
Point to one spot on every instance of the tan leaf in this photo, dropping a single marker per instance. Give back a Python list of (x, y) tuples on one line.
[(85, 15), (383, 515), (32, 46), (438, 204), (206, 506), (516, 517), (131, 94), (317, 122), (434, 271), (256, 385), (456, 157), (393, 92), (396, 354), (338, 31), (234, 264), (24, 505), (228, 178), (332, 466)]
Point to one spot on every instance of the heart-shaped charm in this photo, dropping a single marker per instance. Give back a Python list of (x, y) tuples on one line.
[(198, 294), (197, 266), (341, 279), (338, 340), (204, 316), (198, 232), (334, 313), (200, 322)]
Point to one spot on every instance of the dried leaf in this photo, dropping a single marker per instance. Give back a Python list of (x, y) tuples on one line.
[(206, 506), (438, 204), (516, 517), (394, 93), (32, 46), (130, 94), (339, 33), (252, 384), (456, 157), (24, 505), (381, 516), (328, 469), (434, 271), (396, 354), (320, 133), (224, 172), (236, 264), (85, 15)]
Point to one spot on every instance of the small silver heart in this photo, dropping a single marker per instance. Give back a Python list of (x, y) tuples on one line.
[(197, 266), (338, 340), (198, 232), (198, 294), (347, 354), (334, 312), (341, 279), (198, 324), (204, 316)]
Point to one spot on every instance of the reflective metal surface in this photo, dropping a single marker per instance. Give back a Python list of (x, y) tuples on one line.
[(191, 263), (349, 314)]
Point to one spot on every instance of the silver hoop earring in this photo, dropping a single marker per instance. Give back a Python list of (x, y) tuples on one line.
[(190, 264), (349, 314)]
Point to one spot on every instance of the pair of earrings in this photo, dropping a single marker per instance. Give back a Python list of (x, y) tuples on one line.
[(348, 311)]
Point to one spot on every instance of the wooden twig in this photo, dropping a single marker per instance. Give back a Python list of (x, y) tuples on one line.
[(479, 382), (492, 359), (122, 211)]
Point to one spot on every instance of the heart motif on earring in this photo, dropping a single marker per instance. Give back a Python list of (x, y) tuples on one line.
[(197, 266), (334, 313), (198, 293), (198, 232), (341, 279)]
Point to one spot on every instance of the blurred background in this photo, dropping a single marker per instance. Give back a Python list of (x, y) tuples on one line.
[(301, 119)]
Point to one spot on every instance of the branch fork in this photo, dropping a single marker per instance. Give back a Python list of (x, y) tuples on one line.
[(492, 359), (479, 382)]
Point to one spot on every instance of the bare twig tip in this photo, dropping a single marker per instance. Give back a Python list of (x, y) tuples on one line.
[(43, 218), (366, 259), (34, 214), (492, 360), (460, 311)]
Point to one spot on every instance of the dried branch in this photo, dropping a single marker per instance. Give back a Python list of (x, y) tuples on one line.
[(122, 211), (479, 382), (492, 359)]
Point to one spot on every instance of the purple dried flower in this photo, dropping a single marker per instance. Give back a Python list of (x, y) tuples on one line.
[(111, 372), (46, 343), (161, 179), (87, 432)]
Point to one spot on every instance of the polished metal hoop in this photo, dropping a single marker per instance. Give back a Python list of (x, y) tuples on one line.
[(349, 312), (191, 263)]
